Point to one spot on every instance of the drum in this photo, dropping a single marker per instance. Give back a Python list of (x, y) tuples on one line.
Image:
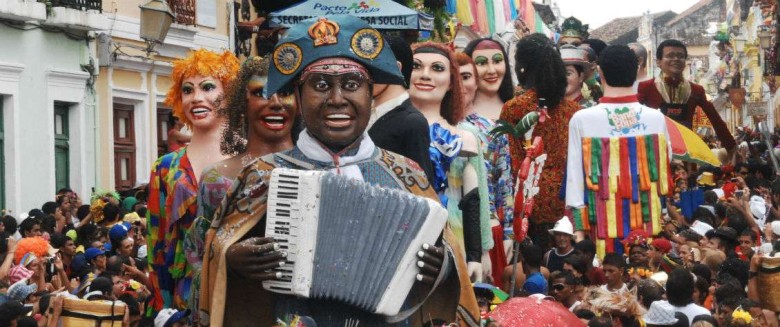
[(83, 313), (768, 279)]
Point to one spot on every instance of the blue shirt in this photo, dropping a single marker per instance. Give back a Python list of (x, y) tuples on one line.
[(535, 284)]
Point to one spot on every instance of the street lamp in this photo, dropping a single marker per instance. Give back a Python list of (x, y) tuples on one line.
[(765, 36), (156, 19), (739, 43), (765, 41)]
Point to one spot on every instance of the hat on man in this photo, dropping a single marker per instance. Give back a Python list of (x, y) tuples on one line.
[(168, 317), (661, 313), (706, 179), (662, 245), (775, 227), (327, 37), (726, 233), (92, 253), (20, 290), (118, 231), (564, 226), (572, 55)]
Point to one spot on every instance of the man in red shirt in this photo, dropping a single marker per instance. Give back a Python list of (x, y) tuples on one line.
[(678, 98)]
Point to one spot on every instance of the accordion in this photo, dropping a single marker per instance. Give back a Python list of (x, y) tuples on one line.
[(347, 240)]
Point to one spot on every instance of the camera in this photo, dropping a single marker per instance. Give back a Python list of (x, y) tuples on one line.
[(739, 194)]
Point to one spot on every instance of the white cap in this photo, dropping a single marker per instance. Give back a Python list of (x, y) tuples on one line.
[(170, 314), (563, 225), (701, 228), (776, 227), (660, 313), (758, 207)]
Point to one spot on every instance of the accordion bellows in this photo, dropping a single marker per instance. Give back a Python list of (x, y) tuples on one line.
[(347, 240)]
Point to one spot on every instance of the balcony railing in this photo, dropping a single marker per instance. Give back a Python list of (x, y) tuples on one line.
[(79, 4), (183, 10)]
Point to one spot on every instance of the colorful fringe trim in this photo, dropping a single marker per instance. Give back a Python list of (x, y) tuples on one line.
[(625, 178)]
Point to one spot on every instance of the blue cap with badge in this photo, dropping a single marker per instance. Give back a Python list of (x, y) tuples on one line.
[(326, 37)]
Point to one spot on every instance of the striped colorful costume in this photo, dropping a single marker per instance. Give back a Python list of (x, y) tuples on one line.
[(617, 170)]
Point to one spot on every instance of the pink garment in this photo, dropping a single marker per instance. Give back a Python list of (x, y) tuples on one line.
[(17, 273)]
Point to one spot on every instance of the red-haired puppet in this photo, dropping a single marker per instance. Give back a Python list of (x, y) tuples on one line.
[(199, 81)]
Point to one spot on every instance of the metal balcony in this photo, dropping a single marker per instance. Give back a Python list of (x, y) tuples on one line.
[(184, 11), (79, 4)]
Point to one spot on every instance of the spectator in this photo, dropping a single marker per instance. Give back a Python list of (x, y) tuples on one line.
[(535, 282), (171, 318), (30, 227), (577, 265), (110, 215), (9, 224), (679, 293), (566, 289), (614, 267), (11, 311), (648, 291), (97, 259), (661, 313), (594, 272), (563, 233)]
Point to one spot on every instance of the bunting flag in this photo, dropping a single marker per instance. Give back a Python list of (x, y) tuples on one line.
[(625, 180)]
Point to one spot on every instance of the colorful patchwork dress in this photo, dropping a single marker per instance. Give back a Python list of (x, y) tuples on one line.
[(172, 207)]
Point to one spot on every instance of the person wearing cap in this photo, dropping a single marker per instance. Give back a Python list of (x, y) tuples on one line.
[(577, 66), (661, 313), (196, 93), (97, 258), (330, 64), (11, 311), (21, 291), (172, 318), (563, 235), (618, 132), (723, 239)]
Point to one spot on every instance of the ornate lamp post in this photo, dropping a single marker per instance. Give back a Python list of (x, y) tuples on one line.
[(156, 19)]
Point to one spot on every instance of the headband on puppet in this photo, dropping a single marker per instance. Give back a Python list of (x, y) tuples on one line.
[(204, 63), (329, 37)]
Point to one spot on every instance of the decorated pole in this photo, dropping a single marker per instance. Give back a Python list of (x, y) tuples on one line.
[(527, 184)]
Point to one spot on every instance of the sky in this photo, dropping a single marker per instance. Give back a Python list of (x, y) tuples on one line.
[(599, 12)]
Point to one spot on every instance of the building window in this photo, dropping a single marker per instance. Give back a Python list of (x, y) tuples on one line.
[(61, 146), (163, 126), (124, 147)]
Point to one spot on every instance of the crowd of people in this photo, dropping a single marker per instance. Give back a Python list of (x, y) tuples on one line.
[(551, 157)]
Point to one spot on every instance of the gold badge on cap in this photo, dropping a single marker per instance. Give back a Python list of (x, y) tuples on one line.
[(287, 58), (324, 32), (367, 43)]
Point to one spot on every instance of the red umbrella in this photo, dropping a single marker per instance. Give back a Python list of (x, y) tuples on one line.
[(533, 311)]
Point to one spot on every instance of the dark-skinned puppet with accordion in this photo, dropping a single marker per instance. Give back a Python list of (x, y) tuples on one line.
[(330, 65)]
